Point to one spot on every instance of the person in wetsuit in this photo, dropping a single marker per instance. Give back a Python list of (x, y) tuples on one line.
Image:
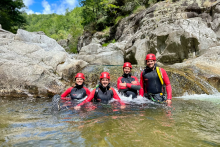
[(127, 84), (78, 91), (151, 84), (103, 93)]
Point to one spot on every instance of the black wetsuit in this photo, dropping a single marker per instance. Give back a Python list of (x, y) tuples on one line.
[(130, 89)]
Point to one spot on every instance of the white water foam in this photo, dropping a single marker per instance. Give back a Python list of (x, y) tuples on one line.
[(129, 100), (204, 97)]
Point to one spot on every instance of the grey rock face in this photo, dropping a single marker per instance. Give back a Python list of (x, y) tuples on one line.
[(173, 31), (206, 67), (33, 64), (84, 40), (96, 54), (63, 42), (40, 33)]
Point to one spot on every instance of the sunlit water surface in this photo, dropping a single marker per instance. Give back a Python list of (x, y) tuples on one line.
[(191, 121)]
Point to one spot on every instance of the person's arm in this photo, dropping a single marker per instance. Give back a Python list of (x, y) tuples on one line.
[(87, 91), (118, 84), (89, 98), (134, 86), (167, 83), (141, 91), (63, 96), (115, 96)]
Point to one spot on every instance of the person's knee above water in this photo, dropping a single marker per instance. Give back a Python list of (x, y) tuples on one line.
[(103, 92), (78, 91), (152, 81), (127, 84)]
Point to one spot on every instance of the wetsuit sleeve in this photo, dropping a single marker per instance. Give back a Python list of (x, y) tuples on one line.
[(88, 99), (141, 91), (118, 82), (87, 91), (167, 83), (115, 96), (66, 92), (134, 86)]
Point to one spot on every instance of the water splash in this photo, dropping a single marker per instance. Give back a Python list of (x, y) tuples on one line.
[(128, 100), (204, 97)]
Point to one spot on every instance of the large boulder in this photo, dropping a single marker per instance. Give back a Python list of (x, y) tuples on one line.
[(173, 31), (33, 64), (96, 54), (206, 67)]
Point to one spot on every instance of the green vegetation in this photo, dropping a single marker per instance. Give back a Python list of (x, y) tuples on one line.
[(92, 16), (58, 26), (138, 9), (106, 44), (99, 14), (10, 16)]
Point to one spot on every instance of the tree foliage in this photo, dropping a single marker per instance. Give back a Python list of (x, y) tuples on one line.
[(58, 26), (10, 15), (99, 14)]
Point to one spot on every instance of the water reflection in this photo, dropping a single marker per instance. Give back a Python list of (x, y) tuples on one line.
[(28, 122)]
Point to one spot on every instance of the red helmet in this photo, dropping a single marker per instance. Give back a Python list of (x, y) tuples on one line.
[(151, 57), (127, 64), (105, 75), (80, 75)]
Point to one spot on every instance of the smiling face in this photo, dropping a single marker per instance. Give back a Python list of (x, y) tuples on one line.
[(79, 81), (104, 82), (127, 70), (150, 63)]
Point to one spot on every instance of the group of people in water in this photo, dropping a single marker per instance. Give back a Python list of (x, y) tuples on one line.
[(152, 85)]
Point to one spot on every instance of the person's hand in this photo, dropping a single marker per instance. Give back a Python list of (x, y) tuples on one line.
[(169, 102), (123, 84), (123, 106), (77, 107), (134, 82)]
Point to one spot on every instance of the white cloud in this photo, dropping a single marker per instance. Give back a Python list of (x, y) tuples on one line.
[(47, 8), (71, 2), (28, 2), (28, 11), (58, 8)]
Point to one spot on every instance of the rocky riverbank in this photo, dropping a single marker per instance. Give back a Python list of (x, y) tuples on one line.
[(32, 64)]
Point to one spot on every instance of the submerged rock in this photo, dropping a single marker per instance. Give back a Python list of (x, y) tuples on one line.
[(33, 64)]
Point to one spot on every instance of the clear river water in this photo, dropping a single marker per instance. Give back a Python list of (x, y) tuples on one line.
[(191, 121)]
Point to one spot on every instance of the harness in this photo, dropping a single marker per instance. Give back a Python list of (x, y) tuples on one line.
[(96, 93), (159, 73)]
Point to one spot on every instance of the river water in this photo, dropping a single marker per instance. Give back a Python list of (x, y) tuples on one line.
[(191, 121)]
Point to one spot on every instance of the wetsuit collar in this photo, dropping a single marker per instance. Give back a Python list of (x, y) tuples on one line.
[(126, 75)]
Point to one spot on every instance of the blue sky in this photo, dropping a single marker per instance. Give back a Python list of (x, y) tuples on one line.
[(49, 6)]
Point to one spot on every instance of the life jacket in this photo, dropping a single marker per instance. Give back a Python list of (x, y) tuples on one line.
[(154, 80), (78, 92), (103, 94)]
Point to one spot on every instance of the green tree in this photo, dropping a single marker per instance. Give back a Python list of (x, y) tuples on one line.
[(10, 15), (58, 26)]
